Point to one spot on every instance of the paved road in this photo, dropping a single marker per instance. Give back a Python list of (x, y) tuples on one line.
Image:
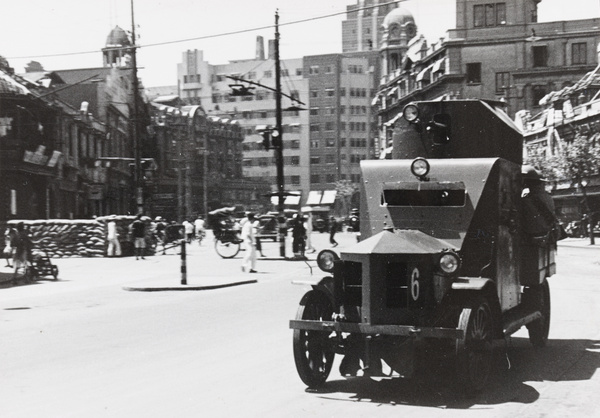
[(84, 347)]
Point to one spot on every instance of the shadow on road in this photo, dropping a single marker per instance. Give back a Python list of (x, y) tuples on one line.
[(434, 385)]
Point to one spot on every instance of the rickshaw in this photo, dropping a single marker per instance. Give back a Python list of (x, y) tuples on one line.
[(226, 232), (41, 266)]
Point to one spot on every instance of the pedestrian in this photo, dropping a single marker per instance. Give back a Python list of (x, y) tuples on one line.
[(298, 236), (22, 245), (200, 229), (114, 246), (249, 240), (257, 228), (138, 230), (333, 227), (8, 249), (308, 225), (189, 230)]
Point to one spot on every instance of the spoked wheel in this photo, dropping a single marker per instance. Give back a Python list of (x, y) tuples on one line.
[(474, 352), (227, 249), (539, 296), (313, 352)]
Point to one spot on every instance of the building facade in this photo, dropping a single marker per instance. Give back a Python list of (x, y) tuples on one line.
[(498, 51), (323, 143)]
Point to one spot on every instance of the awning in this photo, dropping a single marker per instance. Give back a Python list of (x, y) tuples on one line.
[(328, 197), (318, 197), (439, 65), (424, 74), (375, 100), (314, 197), (392, 91), (393, 120), (292, 199)]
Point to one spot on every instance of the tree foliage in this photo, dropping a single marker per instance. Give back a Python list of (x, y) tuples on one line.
[(574, 160), (345, 190)]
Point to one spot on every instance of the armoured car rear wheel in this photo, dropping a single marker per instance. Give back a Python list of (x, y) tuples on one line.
[(313, 352), (538, 330), (474, 353)]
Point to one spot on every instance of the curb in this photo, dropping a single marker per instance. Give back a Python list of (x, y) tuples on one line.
[(185, 287)]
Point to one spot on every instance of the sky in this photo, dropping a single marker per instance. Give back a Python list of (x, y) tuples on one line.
[(65, 34)]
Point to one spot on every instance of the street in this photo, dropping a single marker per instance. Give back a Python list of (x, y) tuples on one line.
[(83, 346)]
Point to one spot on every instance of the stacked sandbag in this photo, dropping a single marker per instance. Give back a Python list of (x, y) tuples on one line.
[(67, 238)]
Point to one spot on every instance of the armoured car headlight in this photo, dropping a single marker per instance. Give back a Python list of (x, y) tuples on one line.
[(325, 260), (410, 113), (419, 167), (449, 262)]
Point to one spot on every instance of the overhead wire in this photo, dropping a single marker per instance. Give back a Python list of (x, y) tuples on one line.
[(218, 35)]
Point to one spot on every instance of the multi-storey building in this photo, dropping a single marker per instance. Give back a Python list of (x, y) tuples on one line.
[(199, 164), (362, 29), (498, 51), (323, 143), (105, 95)]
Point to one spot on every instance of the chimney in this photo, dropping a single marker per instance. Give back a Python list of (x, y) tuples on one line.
[(260, 48), (271, 49)]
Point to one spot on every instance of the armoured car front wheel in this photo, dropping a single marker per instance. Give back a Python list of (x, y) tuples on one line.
[(313, 352), (474, 352), (539, 296)]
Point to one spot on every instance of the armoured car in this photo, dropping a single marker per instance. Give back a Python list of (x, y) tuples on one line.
[(444, 263)]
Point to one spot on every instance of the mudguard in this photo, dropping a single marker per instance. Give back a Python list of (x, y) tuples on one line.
[(470, 283)]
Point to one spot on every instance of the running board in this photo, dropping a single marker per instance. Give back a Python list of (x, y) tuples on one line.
[(513, 321)]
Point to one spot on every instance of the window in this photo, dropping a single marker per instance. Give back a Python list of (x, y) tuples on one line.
[(502, 82), (314, 111), (579, 53), (330, 142), (315, 178), (298, 71), (295, 160), (315, 159), (314, 69), (251, 75), (474, 73), (315, 127), (314, 93), (488, 15), (540, 56), (268, 74), (330, 158), (538, 93), (295, 144), (330, 92), (329, 126), (314, 143), (285, 72), (330, 178), (328, 69), (295, 179)]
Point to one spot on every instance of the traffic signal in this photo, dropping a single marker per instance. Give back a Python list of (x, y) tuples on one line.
[(275, 139), (266, 142)]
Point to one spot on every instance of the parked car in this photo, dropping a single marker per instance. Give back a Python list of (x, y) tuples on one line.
[(267, 227)]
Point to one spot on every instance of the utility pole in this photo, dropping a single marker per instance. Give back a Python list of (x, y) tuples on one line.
[(279, 149), (137, 176)]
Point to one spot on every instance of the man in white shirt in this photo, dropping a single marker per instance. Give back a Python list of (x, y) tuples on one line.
[(114, 246), (249, 240), (200, 231)]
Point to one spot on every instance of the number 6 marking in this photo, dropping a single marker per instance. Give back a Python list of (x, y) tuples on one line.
[(414, 284)]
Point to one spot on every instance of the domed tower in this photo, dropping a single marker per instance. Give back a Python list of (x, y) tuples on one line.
[(114, 54), (398, 29)]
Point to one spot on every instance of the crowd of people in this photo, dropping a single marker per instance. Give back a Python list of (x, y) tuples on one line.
[(159, 231)]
